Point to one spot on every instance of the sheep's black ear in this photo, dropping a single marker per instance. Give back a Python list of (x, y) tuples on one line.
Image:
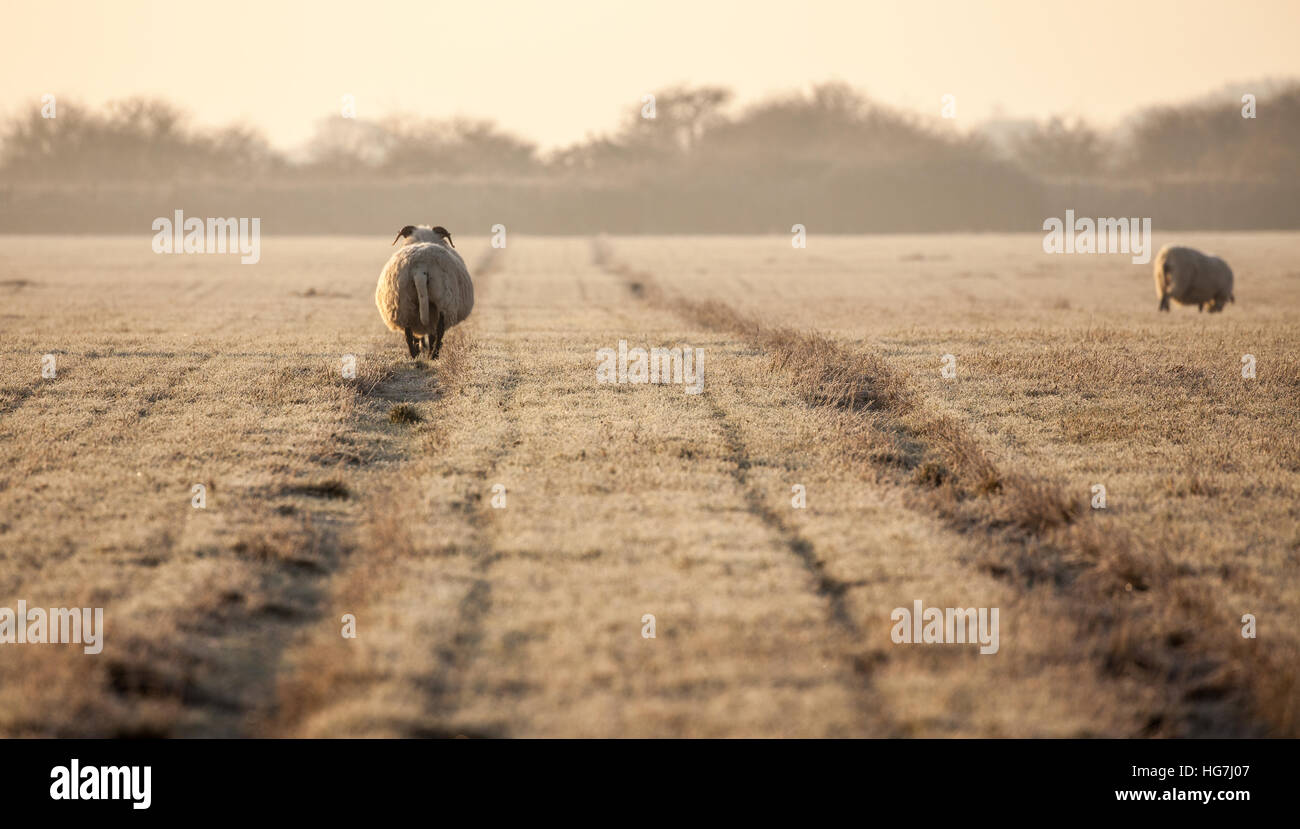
[(442, 231), (403, 233)]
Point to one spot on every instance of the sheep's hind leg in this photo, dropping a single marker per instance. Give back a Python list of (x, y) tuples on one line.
[(427, 342), (412, 344), (1164, 302), (442, 329)]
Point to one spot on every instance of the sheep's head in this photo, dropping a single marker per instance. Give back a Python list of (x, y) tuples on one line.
[(403, 233), (443, 234)]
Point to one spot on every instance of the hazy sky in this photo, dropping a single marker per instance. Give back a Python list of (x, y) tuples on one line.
[(557, 70)]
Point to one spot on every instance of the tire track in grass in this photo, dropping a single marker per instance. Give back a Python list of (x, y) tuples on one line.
[(409, 577), (559, 655), (1036, 534), (833, 590), (294, 562), (459, 652), (857, 667), (282, 542), (388, 568)]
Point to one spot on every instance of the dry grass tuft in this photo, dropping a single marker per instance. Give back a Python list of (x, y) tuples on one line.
[(827, 374), (950, 440), (404, 413), (1036, 506)]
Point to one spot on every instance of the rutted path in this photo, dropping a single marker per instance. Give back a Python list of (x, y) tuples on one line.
[(415, 578), (621, 503), (1061, 644)]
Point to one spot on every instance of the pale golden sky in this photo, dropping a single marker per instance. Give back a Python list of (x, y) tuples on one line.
[(556, 70)]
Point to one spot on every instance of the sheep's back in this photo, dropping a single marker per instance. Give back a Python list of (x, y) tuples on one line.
[(396, 297), (451, 290), (454, 295), (1192, 277)]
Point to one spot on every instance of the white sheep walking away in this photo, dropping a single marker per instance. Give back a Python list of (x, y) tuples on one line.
[(1190, 277), (423, 290)]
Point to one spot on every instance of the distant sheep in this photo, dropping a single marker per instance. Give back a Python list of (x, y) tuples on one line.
[(423, 290), (1190, 277)]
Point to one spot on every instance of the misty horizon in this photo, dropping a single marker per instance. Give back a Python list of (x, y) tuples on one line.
[(941, 117), (996, 126), (529, 69)]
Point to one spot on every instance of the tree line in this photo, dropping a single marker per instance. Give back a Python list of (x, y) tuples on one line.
[(695, 134)]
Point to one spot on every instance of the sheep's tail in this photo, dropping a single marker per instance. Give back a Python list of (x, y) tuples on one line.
[(422, 290)]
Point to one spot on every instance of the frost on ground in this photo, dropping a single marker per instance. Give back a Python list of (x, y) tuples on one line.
[(500, 539)]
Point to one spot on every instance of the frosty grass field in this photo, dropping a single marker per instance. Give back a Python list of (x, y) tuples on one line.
[(499, 524)]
